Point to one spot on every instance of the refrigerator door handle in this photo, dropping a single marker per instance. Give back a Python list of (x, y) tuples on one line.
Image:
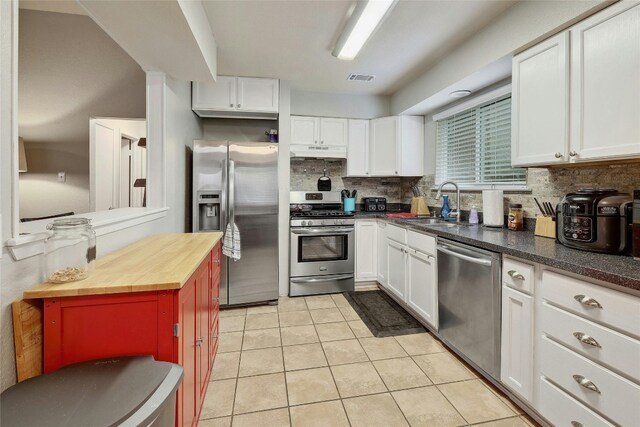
[(232, 192), (224, 201)]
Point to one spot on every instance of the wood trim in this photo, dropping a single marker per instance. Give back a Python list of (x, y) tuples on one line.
[(28, 337)]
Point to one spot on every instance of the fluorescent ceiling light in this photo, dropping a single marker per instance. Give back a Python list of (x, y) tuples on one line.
[(363, 21)]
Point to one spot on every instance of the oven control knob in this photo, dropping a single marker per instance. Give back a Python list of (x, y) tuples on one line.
[(304, 223), (309, 222)]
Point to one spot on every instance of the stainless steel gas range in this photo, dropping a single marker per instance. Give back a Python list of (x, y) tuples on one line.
[(322, 244)]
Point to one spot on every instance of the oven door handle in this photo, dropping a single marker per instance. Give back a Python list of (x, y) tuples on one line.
[(323, 231), (324, 278)]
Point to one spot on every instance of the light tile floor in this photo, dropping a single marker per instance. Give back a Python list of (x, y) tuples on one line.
[(312, 362)]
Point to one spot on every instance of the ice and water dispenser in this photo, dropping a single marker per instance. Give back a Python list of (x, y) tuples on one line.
[(208, 211)]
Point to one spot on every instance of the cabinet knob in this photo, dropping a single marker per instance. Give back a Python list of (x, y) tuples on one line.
[(231, 105), (573, 153), (315, 142), (559, 155), (586, 339), (321, 142), (199, 342), (576, 424), (588, 301), (396, 172), (515, 275), (586, 383), (239, 105)]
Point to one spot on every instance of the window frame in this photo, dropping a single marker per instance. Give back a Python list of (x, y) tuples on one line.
[(23, 246), (488, 97)]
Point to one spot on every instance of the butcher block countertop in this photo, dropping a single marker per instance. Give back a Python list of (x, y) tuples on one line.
[(157, 263)]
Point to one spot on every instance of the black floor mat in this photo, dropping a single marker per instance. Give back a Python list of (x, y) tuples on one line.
[(382, 315)]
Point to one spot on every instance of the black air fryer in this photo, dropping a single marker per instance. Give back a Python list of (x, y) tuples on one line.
[(596, 220)]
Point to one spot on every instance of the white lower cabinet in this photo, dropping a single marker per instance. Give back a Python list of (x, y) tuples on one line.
[(366, 250), (382, 253), (397, 273), (422, 289), (516, 371)]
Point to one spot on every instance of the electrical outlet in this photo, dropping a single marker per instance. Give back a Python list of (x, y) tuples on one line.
[(62, 177)]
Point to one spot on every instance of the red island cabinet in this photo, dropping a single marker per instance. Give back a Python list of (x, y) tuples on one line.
[(158, 297)]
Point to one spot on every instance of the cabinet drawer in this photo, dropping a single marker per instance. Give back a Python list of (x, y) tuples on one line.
[(562, 410), (398, 234), (421, 242), (600, 304), (614, 396), (609, 347), (518, 275)]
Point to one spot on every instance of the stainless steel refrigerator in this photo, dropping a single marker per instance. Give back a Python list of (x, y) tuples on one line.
[(237, 183)]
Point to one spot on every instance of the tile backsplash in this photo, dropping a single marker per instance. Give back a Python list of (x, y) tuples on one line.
[(545, 184), (548, 185), (305, 174)]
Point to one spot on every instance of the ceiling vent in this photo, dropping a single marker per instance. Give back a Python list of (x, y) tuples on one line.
[(361, 77)]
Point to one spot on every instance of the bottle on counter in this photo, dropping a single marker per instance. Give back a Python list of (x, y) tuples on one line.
[(446, 210), (473, 215), (515, 220)]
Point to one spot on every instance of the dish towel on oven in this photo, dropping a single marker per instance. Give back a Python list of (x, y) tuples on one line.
[(231, 242)]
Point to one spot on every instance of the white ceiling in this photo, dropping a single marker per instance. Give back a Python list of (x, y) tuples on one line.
[(293, 40)]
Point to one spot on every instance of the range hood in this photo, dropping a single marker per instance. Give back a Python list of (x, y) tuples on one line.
[(319, 152)]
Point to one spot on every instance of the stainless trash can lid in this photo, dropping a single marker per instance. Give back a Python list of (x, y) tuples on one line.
[(105, 392)]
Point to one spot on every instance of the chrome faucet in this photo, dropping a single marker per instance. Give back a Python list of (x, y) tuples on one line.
[(454, 212)]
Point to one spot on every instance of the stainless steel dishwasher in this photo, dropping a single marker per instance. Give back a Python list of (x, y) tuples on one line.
[(469, 303)]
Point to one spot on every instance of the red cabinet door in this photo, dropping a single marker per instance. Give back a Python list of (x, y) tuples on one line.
[(202, 328), (187, 318)]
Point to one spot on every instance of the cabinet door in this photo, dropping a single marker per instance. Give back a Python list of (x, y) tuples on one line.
[(411, 146), (396, 274), (187, 396), (517, 342), (202, 328), (385, 133), (257, 94), (333, 131), (305, 130), (422, 290), (540, 104), (382, 253), (358, 148), (366, 250), (220, 95), (605, 84)]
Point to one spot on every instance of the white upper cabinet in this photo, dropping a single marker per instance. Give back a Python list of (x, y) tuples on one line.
[(540, 104), (358, 148), (397, 146), (576, 96), (305, 130), (605, 84), (319, 131), (333, 131), (236, 97), (220, 95), (257, 94)]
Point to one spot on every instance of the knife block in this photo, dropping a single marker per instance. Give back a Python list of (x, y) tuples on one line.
[(419, 206), (545, 227)]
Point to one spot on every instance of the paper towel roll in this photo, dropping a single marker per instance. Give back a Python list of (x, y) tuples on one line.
[(493, 208)]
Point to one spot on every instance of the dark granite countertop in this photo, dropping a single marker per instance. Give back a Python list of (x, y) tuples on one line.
[(619, 270)]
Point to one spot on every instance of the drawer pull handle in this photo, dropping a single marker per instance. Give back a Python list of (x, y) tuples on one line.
[(515, 275), (585, 300), (586, 339), (576, 424), (586, 383)]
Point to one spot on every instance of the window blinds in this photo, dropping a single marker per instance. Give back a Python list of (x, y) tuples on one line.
[(473, 147)]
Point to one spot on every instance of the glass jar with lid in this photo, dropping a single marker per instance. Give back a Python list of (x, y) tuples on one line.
[(70, 250)]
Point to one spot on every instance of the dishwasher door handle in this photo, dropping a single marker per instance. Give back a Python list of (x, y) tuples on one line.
[(480, 261)]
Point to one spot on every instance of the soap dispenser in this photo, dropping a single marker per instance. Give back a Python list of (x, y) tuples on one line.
[(444, 212)]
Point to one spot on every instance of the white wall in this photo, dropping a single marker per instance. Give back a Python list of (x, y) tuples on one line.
[(339, 105), (69, 71), (521, 25), (181, 128)]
